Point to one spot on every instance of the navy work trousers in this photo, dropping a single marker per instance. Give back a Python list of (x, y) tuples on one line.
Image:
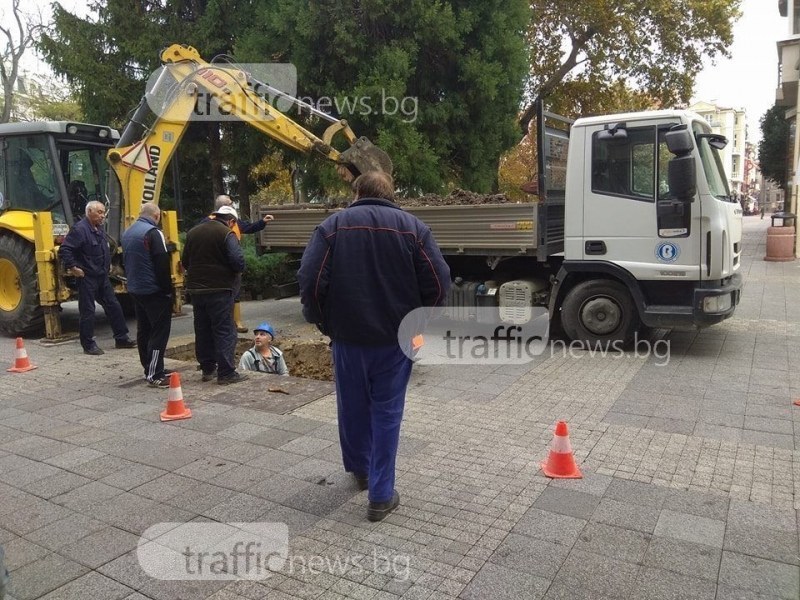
[(153, 324), (214, 332), (371, 384), (93, 289)]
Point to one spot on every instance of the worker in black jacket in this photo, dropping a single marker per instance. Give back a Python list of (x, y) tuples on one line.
[(213, 261)]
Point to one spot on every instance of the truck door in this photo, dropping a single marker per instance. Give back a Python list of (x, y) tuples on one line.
[(625, 175)]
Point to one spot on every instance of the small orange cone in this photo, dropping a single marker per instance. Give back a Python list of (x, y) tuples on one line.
[(796, 402), (176, 409), (21, 361), (561, 462)]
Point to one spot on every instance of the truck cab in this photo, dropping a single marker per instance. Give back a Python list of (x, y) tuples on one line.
[(677, 256)]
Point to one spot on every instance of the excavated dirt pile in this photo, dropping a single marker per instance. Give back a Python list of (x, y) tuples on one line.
[(457, 196)]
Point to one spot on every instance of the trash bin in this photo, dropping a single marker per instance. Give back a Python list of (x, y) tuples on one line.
[(780, 240)]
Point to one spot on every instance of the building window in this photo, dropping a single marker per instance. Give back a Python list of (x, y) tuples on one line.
[(796, 18)]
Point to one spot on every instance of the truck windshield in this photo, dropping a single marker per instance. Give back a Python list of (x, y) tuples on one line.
[(712, 166)]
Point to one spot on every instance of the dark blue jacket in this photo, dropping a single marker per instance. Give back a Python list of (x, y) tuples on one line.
[(244, 226), (365, 268), (87, 249), (146, 258)]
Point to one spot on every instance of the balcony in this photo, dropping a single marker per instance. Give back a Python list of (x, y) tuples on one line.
[(788, 72)]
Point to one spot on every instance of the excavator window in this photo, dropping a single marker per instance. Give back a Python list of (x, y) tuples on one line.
[(84, 174), (31, 176)]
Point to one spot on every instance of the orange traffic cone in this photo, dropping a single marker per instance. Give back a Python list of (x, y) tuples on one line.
[(21, 361), (561, 462), (176, 409), (796, 402)]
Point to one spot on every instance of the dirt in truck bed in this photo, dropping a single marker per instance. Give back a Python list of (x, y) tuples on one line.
[(456, 197)]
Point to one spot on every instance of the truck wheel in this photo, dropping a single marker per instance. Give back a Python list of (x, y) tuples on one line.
[(20, 312), (599, 311)]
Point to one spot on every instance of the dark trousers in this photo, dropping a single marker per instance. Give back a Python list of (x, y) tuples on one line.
[(214, 332), (371, 384), (98, 289), (153, 324)]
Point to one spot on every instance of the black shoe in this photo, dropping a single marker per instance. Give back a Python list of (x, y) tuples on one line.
[(378, 511), (159, 383), (125, 344), (94, 351), (232, 378), (362, 482), (209, 375)]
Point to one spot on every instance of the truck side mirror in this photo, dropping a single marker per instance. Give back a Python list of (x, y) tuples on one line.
[(681, 173)]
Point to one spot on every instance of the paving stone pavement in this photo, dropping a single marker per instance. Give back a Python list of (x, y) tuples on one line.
[(691, 487)]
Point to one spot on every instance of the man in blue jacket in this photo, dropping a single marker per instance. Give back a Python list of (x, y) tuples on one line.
[(364, 269), (86, 255), (149, 284)]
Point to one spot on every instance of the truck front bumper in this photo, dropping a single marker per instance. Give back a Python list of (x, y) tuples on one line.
[(710, 305)]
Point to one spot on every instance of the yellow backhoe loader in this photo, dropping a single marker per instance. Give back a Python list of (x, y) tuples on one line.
[(50, 170)]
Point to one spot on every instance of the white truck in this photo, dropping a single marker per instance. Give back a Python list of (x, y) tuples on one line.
[(634, 226)]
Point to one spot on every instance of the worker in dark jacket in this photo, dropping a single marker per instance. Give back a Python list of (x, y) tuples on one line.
[(239, 228), (149, 284), (86, 255), (213, 261), (364, 269)]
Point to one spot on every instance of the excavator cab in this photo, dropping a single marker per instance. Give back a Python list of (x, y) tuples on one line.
[(49, 169)]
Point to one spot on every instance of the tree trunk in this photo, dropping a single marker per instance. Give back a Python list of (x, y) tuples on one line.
[(243, 191), (215, 157)]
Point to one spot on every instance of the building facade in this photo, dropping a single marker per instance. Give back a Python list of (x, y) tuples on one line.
[(732, 123)]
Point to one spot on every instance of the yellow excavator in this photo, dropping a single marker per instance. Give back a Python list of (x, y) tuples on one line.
[(50, 170)]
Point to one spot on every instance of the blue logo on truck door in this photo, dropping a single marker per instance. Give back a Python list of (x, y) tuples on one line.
[(668, 252)]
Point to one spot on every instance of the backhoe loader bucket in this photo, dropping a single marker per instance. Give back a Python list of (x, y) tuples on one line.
[(365, 156)]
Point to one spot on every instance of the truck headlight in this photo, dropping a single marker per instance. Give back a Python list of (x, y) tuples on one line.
[(716, 304)]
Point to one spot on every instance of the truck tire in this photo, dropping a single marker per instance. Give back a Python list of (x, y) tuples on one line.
[(20, 312), (599, 311)]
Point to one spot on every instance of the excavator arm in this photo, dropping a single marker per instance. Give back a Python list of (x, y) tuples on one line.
[(144, 151)]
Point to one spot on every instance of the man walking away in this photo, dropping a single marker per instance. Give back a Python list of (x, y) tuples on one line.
[(86, 255), (147, 268), (213, 260), (364, 269)]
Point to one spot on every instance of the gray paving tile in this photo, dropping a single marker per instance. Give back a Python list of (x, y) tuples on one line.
[(657, 584), (180, 590), (126, 570), (276, 460), (86, 496), (278, 487), (549, 526), (241, 507), (595, 573), (323, 499), (272, 437), (626, 515), (595, 484), (759, 575), (135, 514), (100, 547), (727, 592), (55, 485), (690, 528), (561, 590), (65, 531), (33, 515), (534, 557), (613, 542), (711, 506), (132, 476), (567, 502), (313, 470), (695, 560), (43, 576), (20, 552), (92, 586), (773, 440), (28, 474), (749, 514), (780, 546), (500, 583), (635, 492)]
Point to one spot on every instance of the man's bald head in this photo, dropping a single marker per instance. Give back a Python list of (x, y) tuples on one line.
[(222, 200)]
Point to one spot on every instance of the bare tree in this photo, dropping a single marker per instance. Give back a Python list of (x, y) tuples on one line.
[(18, 37)]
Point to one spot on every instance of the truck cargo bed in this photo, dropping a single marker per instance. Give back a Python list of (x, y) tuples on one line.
[(480, 229)]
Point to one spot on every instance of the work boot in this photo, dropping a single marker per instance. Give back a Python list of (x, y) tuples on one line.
[(232, 378), (94, 351), (378, 511), (362, 482), (126, 343), (209, 375)]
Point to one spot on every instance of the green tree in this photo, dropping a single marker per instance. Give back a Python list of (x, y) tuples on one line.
[(611, 55), (773, 148), (435, 84)]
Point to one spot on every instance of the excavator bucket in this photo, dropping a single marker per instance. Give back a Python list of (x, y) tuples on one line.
[(365, 156)]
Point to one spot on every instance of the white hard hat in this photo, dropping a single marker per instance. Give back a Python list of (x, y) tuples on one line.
[(227, 210)]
